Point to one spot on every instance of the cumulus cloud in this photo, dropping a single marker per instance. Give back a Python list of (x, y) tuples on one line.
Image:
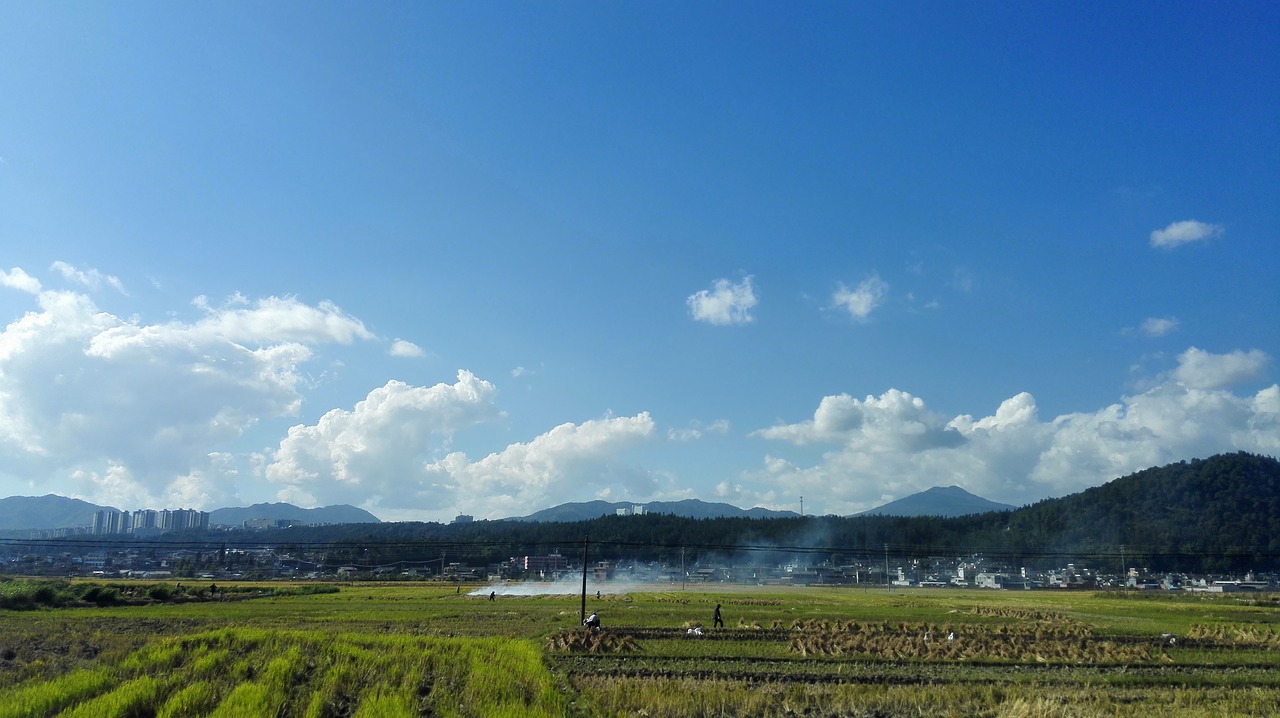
[(17, 279), (92, 278), (725, 303), (887, 447), (860, 301), (406, 349), (1199, 369), (893, 421), (562, 462), (135, 414), (381, 442), (379, 455), (1184, 232), (129, 410)]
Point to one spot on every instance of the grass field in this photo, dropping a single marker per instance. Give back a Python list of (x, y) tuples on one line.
[(417, 649)]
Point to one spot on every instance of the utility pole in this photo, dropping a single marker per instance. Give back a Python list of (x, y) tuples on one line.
[(582, 616), (887, 585), (682, 573), (1124, 571), (801, 507)]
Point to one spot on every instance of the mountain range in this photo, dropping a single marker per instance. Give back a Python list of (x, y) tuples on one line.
[(943, 501), (46, 512), (18, 513), (37, 513), (337, 514)]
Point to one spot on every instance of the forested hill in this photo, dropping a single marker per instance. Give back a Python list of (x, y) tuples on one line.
[(1225, 505), (1216, 514)]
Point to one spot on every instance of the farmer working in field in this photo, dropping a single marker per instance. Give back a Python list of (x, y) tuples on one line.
[(716, 620)]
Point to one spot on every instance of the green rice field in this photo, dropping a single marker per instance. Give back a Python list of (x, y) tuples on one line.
[(429, 650)]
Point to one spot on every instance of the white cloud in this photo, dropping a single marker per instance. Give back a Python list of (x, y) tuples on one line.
[(137, 415), (406, 349), (93, 279), (1158, 326), (133, 411), (860, 301), (17, 279), (276, 319), (562, 462), (748, 496), (1199, 369), (894, 421), (131, 414), (697, 430), (889, 447), (1184, 232), (378, 447), (725, 303), (114, 486), (379, 455)]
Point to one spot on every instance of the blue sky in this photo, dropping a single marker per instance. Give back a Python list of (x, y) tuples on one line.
[(483, 258)]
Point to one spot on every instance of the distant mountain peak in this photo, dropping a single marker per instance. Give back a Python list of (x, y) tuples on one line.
[(687, 508), (939, 501), (280, 511)]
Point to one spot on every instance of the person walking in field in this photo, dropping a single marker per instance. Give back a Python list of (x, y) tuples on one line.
[(716, 620)]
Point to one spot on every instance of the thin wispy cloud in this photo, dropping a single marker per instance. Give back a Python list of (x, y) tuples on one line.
[(92, 278), (863, 299), (697, 430), (962, 280), (1158, 326)]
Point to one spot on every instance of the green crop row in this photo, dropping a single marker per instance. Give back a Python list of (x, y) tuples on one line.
[(261, 672), (23, 594), (675, 697)]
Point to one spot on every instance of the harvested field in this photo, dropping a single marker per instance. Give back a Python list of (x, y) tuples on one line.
[(414, 650)]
